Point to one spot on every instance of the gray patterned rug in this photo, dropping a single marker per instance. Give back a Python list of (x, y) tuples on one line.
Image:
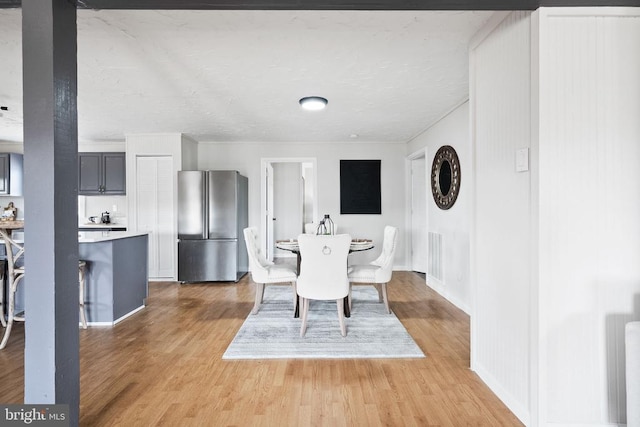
[(274, 333)]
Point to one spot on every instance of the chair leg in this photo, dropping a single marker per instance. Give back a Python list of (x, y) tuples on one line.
[(295, 294), (259, 294), (81, 282), (7, 330), (3, 266), (305, 311), (11, 313), (384, 297), (2, 319), (349, 296), (378, 288), (343, 327)]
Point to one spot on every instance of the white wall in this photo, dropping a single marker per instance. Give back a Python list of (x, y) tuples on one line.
[(589, 209), (245, 157), (555, 250), (453, 224), (501, 254)]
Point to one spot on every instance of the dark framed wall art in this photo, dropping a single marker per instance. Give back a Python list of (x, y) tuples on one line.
[(360, 187)]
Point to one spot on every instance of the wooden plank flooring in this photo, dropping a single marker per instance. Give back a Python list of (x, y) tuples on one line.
[(163, 366)]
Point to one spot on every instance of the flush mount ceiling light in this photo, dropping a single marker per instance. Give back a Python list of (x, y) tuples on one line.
[(313, 103)]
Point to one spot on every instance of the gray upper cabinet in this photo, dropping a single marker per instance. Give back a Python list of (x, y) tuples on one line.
[(11, 174), (101, 174)]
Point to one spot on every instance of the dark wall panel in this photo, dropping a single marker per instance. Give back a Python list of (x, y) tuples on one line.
[(360, 187)]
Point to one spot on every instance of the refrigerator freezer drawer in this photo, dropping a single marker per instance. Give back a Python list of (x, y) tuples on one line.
[(208, 260)]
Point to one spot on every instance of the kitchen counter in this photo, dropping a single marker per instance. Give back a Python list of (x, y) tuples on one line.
[(117, 274), (103, 236), (93, 226)]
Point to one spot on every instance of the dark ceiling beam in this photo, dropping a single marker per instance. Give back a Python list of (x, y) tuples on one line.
[(335, 4)]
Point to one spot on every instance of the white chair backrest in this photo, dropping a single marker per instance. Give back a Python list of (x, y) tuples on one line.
[(323, 266), (385, 260), (257, 263)]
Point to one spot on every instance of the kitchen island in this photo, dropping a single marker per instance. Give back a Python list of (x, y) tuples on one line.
[(117, 274)]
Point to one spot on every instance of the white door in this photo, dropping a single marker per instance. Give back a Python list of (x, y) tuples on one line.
[(155, 214), (287, 203), (269, 214), (419, 215), (267, 201)]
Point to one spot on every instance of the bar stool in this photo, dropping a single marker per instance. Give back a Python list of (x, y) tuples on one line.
[(82, 270)]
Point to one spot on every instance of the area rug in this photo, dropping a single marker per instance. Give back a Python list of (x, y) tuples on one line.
[(273, 333)]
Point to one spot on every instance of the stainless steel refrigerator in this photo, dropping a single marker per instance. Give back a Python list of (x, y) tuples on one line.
[(212, 212)]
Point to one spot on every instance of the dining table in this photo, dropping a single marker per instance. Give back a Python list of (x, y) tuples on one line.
[(291, 245)]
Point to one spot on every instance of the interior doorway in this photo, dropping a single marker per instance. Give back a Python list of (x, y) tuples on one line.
[(289, 188), (419, 180)]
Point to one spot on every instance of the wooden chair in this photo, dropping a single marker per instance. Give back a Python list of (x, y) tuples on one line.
[(15, 274), (82, 273), (264, 271), (378, 272), (323, 273)]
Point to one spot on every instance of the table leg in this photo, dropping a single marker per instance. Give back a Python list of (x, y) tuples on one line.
[(296, 311)]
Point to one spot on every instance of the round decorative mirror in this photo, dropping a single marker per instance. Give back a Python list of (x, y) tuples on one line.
[(445, 177)]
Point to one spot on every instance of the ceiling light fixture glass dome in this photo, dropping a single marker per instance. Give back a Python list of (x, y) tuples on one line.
[(313, 103)]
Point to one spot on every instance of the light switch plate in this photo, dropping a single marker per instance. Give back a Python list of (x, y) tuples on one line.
[(522, 160)]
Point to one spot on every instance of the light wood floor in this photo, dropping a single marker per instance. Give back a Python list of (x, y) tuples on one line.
[(163, 366)]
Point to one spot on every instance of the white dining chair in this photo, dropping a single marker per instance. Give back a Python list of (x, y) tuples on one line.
[(379, 271), (265, 272), (323, 273)]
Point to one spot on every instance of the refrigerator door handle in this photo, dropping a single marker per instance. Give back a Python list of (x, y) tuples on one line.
[(206, 207)]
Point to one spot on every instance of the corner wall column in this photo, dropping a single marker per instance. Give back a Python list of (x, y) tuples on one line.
[(49, 51)]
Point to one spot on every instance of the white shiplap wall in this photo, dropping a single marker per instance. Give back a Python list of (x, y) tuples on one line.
[(500, 123), (452, 225), (555, 250), (589, 209)]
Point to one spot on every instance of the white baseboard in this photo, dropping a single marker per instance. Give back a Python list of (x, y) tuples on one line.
[(519, 410), (115, 322), (584, 425), (441, 289)]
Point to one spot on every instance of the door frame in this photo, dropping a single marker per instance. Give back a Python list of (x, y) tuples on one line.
[(265, 164), (409, 201)]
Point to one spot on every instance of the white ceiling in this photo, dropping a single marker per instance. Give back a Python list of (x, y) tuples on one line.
[(238, 75)]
